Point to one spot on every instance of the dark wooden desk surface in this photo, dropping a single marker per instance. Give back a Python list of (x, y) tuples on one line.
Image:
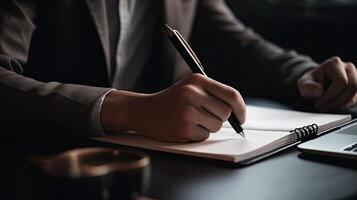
[(286, 175)]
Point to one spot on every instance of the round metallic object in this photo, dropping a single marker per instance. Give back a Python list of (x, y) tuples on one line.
[(94, 162)]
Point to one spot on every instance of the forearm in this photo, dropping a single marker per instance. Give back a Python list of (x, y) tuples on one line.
[(27, 104), (239, 57)]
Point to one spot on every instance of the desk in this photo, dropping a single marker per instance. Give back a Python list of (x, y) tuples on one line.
[(286, 175)]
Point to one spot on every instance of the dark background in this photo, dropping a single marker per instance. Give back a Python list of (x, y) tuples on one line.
[(318, 28)]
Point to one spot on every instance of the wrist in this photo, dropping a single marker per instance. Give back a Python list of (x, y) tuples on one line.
[(118, 110), (95, 125)]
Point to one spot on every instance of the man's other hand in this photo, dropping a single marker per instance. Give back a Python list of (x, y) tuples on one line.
[(332, 86), (187, 111)]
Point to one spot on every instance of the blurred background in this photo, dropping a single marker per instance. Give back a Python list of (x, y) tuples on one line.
[(318, 28)]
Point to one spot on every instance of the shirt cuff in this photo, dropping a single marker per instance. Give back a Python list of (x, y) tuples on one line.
[(95, 125)]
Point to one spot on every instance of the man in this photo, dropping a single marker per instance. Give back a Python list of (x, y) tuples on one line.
[(60, 60)]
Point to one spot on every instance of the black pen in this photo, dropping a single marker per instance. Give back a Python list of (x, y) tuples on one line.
[(194, 63)]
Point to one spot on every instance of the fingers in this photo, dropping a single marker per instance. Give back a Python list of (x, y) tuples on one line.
[(217, 107), (336, 72), (202, 100), (213, 106), (340, 94), (309, 88), (202, 105), (347, 97), (230, 96), (201, 134), (351, 103), (191, 130), (189, 110), (209, 121), (225, 93), (205, 123)]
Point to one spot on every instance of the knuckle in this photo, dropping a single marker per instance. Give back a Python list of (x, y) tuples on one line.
[(234, 95), (350, 67), (349, 64), (196, 78), (188, 91), (335, 60)]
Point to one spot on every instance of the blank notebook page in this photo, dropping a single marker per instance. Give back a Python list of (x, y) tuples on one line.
[(260, 118)]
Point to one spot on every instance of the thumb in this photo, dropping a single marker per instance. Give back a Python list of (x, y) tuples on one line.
[(309, 88)]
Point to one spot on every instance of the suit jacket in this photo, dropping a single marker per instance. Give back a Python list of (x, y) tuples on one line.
[(54, 58)]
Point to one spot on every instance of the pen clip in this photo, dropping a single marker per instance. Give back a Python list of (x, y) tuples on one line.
[(187, 46)]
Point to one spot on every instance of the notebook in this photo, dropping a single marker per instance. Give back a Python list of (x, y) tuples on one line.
[(266, 130)]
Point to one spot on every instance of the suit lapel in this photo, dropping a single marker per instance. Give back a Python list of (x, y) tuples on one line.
[(98, 13)]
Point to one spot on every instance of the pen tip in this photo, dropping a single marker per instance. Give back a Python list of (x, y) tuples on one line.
[(242, 134)]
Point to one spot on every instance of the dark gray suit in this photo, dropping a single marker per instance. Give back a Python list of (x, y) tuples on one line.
[(54, 58)]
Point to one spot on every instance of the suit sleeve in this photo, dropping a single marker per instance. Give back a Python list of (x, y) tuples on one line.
[(28, 106), (236, 55)]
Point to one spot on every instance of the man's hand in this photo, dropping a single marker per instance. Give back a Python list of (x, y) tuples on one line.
[(332, 86), (187, 111)]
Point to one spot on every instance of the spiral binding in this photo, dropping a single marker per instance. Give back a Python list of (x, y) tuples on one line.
[(304, 133)]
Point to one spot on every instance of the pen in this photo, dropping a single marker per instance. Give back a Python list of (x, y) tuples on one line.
[(194, 63)]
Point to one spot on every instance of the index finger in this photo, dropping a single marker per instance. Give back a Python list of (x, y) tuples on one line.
[(227, 94)]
